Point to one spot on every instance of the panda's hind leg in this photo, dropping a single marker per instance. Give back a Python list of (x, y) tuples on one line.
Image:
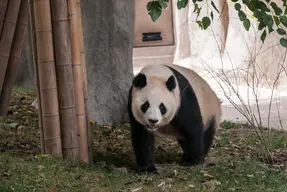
[(209, 135), (192, 144)]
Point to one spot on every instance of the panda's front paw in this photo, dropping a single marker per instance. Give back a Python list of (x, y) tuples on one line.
[(149, 169), (188, 160)]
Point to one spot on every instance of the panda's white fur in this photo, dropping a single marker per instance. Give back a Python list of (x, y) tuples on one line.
[(156, 92)]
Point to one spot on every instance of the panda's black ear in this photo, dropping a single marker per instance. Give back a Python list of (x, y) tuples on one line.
[(139, 81), (170, 83)]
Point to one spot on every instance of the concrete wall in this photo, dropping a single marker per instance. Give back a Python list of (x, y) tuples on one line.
[(154, 52), (25, 71), (108, 30), (143, 23)]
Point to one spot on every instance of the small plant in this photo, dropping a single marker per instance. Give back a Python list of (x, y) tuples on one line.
[(227, 124)]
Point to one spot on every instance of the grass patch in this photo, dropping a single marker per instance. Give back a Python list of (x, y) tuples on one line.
[(24, 91), (233, 164)]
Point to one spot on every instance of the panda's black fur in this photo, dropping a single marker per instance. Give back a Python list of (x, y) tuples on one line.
[(195, 141)]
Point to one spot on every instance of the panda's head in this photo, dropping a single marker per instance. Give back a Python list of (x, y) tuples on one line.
[(155, 97)]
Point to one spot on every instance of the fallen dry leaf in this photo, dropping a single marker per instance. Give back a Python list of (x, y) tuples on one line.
[(136, 189), (206, 174), (191, 186)]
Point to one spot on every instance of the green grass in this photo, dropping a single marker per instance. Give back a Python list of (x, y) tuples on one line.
[(38, 174), (24, 91), (32, 173), (234, 164)]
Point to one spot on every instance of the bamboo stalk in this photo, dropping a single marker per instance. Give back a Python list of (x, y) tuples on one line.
[(47, 77), (3, 9), (83, 62), (78, 81), (14, 58), (7, 36), (36, 68), (65, 81)]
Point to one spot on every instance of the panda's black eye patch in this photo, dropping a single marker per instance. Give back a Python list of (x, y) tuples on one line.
[(170, 84), (162, 109), (145, 106)]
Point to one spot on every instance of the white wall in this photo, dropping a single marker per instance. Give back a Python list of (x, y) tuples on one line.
[(244, 56)]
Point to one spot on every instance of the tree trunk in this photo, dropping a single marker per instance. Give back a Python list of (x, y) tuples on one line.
[(108, 28), (25, 70)]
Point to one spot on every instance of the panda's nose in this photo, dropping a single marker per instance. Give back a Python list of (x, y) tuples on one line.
[(153, 121)]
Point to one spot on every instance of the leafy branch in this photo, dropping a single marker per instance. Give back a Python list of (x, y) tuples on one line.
[(270, 17)]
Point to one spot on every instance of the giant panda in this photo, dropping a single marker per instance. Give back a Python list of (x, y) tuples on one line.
[(171, 100)]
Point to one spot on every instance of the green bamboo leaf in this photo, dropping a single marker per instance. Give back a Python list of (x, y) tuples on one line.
[(268, 20), (205, 22), (154, 10), (241, 15), (276, 9), (258, 14), (148, 6), (270, 29), (281, 31), (237, 6), (246, 24), (283, 20), (283, 42), (263, 36), (276, 19), (251, 6), (181, 3), (261, 26), (245, 2), (261, 5)]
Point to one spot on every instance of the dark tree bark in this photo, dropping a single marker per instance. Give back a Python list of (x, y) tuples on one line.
[(108, 36), (25, 71)]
